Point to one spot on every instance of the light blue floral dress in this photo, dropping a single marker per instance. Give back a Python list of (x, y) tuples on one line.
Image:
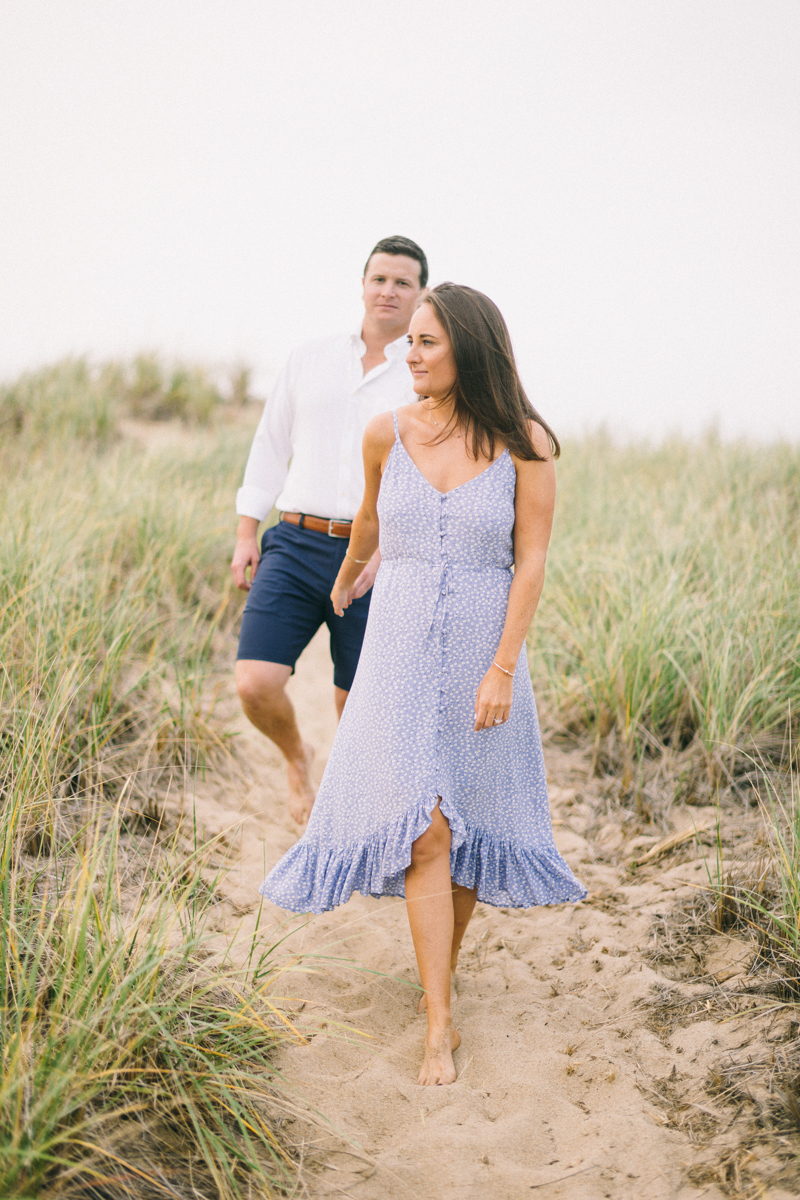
[(406, 736)]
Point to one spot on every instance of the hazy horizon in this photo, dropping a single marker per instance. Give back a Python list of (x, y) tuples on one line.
[(206, 179)]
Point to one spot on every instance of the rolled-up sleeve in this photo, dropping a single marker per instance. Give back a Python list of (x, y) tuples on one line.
[(268, 461)]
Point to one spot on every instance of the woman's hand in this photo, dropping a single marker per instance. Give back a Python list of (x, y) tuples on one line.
[(341, 598), (493, 701), (367, 577)]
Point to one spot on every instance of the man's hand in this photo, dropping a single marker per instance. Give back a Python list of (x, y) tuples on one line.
[(366, 578), (246, 554)]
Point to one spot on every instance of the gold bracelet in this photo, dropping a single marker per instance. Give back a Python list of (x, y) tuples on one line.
[(360, 561), (497, 664)]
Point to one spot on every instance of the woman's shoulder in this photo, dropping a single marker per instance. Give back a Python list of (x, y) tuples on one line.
[(382, 426), (379, 431), (407, 413)]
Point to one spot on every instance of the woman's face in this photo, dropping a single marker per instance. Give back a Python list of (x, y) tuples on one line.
[(430, 355)]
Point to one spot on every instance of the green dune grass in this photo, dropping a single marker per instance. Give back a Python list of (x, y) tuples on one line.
[(128, 1069), (670, 613)]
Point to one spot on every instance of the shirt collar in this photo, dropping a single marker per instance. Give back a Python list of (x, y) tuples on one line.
[(393, 350)]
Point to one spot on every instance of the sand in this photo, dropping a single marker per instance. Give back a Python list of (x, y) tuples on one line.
[(566, 1085)]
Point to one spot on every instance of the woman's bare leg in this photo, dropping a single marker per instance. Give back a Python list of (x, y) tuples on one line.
[(464, 900), (429, 899), (463, 907)]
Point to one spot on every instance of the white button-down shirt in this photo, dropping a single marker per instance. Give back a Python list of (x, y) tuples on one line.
[(315, 416)]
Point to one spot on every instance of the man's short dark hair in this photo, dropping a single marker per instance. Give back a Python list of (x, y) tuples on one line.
[(402, 245)]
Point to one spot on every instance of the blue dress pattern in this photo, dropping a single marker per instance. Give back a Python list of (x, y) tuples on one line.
[(406, 736)]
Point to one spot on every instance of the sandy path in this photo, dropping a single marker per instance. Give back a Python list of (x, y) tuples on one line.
[(561, 1082)]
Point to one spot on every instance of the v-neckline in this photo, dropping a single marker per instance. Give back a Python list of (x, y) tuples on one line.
[(459, 486)]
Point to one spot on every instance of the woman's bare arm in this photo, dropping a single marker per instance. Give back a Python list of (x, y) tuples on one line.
[(377, 444), (534, 505)]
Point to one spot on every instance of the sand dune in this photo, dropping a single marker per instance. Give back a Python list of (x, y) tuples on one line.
[(567, 1086)]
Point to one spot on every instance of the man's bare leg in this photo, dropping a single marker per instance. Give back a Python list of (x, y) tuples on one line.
[(464, 900), (429, 900), (339, 699), (262, 691)]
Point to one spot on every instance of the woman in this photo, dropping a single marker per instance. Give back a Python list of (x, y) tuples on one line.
[(435, 787)]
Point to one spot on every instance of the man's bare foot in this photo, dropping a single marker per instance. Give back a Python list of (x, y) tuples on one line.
[(437, 1065), (423, 1000), (301, 793)]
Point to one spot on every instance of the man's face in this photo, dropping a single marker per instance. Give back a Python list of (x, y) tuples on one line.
[(391, 288)]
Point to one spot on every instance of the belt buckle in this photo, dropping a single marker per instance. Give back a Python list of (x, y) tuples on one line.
[(331, 522)]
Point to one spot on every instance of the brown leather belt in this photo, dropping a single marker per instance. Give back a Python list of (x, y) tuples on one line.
[(337, 529)]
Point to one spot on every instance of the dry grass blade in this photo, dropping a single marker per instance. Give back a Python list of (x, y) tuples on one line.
[(668, 843)]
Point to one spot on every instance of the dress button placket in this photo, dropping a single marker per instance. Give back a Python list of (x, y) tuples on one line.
[(443, 589)]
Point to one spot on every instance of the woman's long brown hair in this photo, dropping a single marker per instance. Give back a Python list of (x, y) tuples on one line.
[(490, 401)]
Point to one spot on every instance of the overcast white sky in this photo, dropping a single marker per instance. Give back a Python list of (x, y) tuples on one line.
[(621, 176)]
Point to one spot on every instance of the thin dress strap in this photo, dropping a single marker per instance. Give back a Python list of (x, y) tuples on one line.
[(396, 429)]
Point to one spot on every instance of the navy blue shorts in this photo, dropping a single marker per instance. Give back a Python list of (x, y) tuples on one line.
[(290, 598)]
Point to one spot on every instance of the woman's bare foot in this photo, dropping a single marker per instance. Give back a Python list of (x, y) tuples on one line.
[(301, 793), (423, 1000), (437, 1065)]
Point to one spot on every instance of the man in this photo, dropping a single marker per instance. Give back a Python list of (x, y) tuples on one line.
[(306, 458)]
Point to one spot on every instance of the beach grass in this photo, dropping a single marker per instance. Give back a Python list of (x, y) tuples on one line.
[(75, 398), (669, 618), (129, 1066), (759, 894)]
